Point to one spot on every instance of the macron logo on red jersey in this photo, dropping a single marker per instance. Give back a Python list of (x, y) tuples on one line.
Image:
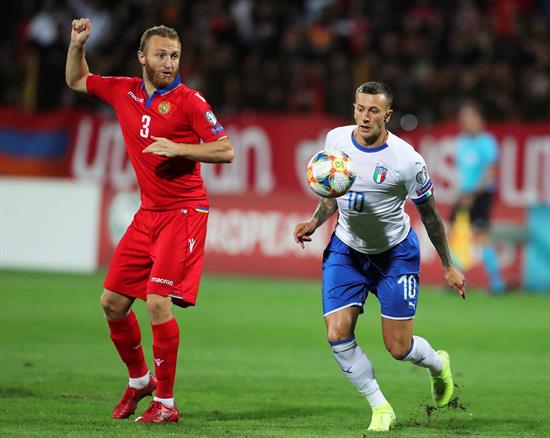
[(133, 96)]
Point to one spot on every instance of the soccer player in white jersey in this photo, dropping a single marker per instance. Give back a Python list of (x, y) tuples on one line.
[(374, 249)]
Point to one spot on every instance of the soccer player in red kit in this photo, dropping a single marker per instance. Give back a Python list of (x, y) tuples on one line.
[(168, 130)]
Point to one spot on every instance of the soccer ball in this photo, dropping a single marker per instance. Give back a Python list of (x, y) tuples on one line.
[(330, 173)]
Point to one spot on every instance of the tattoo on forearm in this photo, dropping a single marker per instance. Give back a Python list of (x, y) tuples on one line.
[(436, 231), (325, 209)]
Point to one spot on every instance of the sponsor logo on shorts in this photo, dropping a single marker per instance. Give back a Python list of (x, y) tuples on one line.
[(162, 281), (191, 244), (159, 362)]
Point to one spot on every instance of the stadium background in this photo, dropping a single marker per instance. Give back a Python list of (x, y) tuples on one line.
[(253, 359)]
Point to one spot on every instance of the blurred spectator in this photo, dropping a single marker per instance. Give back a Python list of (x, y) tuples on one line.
[(305, 55), (101, 18), (45, 60), (476, 159)]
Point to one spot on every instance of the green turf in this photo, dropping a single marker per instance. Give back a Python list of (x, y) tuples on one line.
[(254, 362)]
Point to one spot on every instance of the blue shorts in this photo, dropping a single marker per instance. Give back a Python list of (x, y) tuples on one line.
[(349, 276)]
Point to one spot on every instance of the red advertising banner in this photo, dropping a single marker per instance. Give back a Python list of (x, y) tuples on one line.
[(272, 152), (257, 200)]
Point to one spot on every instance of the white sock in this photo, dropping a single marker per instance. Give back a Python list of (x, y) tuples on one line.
[(139, 382), (358, 369), (423, 355), (168, 402)]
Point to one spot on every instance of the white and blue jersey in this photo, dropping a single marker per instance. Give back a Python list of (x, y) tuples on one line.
[(374, 248), (372, 216)]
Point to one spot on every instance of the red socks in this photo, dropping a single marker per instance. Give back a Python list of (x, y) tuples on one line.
[(126, 336), (166, 338)]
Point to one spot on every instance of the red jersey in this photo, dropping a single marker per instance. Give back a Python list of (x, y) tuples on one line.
[(177, 113)]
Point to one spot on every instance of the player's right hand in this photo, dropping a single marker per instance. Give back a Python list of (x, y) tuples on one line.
[(303, 230), (80, 31)]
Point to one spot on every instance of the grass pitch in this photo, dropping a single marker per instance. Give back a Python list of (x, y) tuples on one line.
[(254, 363)]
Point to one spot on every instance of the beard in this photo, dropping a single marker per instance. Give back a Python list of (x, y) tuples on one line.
[(157, 78)]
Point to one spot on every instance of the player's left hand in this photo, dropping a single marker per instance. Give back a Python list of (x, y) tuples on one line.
[(163, 147), (455, 279)]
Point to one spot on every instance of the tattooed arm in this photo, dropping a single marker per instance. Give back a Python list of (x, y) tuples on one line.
[(325, 209), (436, 231)]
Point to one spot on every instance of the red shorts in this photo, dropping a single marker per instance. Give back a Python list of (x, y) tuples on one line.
[(161, 253)]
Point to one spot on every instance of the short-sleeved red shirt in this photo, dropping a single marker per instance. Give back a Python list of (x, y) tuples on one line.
[(177, 113)]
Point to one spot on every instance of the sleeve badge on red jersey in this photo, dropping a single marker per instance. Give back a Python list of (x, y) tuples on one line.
[(164, 107), (217, 129), (209, 115)]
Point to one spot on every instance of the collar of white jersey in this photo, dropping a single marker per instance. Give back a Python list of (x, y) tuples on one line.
[(368, 150)]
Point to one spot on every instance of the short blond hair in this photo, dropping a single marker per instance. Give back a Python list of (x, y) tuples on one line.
[(161, 31)]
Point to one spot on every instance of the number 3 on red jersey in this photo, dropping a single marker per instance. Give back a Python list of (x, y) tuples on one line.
[(144, 131)]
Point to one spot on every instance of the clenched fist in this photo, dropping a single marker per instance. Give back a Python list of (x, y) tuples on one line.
[(80, 31)]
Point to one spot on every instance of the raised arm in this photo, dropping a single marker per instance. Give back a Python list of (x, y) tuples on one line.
[(76, 69), (436, 231), (325, 209)]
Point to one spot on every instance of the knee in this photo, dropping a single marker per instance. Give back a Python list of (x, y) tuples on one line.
[(113, 305), (398, 349), (341, 325), (338, 333), (159, 308)]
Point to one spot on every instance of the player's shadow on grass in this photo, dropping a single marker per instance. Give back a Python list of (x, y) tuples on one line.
[(289, 413), (16, 393)]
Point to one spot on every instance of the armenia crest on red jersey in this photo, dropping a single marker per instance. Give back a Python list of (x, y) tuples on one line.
[(164, 107)]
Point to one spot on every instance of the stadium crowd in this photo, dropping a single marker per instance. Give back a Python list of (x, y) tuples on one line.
[(299, 55)]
